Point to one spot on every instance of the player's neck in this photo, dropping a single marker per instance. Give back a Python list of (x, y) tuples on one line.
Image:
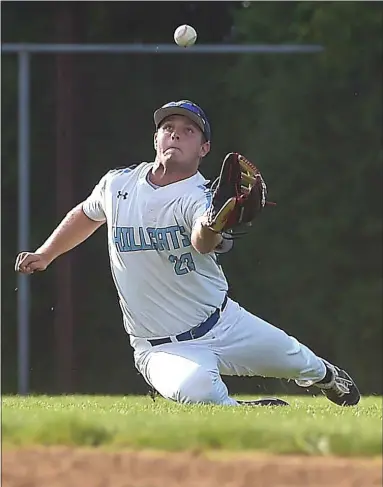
[(162, 176)]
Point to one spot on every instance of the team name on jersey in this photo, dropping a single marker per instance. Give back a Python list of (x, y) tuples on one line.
[(133, 239)]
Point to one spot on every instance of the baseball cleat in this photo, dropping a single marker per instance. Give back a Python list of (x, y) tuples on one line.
[(341, 390), (268, 401)]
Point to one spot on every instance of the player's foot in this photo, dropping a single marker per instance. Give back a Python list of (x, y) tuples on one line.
[(341, 389), (268, 401)]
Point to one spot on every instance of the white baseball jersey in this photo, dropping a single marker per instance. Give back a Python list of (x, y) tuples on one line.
[(165, 286)]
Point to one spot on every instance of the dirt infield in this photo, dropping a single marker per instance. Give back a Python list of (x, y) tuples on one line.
[(69, 467)]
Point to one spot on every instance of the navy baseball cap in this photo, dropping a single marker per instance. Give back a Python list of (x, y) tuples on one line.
[(186, 108)]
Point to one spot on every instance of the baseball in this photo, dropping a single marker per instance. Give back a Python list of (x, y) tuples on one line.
[(185, 35)]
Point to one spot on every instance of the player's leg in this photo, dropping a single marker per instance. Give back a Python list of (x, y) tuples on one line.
[(184, 373), (248, 345)]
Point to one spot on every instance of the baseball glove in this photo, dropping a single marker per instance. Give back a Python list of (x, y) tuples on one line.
[(238, 194)]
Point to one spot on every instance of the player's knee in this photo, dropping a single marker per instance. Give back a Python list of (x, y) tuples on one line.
[(197, 388)]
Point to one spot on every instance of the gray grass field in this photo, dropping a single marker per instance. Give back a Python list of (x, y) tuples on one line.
[(310, 426)]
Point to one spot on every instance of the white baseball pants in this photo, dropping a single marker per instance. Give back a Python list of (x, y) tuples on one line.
[(239, 344)]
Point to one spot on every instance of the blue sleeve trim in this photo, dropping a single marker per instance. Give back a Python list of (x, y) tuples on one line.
[(209, 197)]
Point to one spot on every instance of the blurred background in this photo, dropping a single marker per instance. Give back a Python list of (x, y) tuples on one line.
[(312, 123)]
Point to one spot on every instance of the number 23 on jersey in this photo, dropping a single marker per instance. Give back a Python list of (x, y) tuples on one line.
[(182, 264)]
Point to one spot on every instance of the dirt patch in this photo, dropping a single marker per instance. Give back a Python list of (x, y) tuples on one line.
[(70, 467)]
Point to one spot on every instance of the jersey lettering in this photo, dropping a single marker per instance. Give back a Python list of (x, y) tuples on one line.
[(133, 239)]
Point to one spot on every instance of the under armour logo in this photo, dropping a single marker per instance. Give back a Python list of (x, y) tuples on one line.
[(122, 195)]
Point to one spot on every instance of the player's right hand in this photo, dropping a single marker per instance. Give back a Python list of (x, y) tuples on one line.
[(30, 262)]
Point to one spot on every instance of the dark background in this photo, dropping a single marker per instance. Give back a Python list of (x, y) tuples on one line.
[(312, 123)]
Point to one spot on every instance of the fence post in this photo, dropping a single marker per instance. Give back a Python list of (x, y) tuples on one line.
[(23, 295)]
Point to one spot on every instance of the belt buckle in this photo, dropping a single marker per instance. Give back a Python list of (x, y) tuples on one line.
[(192, 333)]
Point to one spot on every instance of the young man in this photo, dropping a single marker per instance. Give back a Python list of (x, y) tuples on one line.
[(185, 330)]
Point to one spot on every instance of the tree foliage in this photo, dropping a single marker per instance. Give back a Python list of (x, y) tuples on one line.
[(315, 130)]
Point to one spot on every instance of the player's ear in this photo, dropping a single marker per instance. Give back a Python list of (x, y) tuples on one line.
[(205, 149), (155, 141)]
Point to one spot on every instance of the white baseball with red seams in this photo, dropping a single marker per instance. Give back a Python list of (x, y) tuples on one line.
[(185, 35)]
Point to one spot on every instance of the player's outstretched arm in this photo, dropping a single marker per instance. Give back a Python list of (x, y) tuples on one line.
[(203, 239), (73, 230)]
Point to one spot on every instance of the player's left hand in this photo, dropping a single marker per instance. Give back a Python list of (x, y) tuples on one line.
[(239, 194)]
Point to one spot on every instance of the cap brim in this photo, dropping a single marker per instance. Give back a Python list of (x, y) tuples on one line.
[(162, 113)]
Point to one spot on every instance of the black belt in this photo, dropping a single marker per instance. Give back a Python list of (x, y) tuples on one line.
[(196, 332)]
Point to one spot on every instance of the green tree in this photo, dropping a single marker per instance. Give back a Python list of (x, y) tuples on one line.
[(313, 125)]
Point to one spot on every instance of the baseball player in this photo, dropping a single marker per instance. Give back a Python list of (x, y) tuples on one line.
[(165, 227)]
